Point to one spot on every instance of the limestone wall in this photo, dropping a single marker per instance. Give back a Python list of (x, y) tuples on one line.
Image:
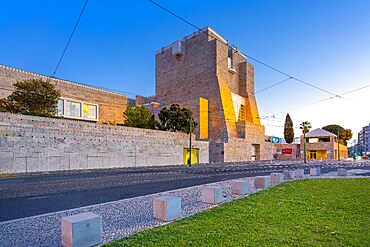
[(111, 105), (277, 148), (32, 144)]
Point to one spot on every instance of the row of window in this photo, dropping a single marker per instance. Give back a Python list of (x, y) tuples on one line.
[(76, 109)]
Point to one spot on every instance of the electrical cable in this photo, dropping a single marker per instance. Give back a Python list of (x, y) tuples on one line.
[(273, 85), (338, 96), (69, 40), (252, 58)]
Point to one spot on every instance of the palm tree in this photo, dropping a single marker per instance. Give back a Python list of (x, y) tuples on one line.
[(305, 127)]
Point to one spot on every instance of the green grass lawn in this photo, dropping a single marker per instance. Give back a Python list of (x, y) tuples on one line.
[(317, 212)]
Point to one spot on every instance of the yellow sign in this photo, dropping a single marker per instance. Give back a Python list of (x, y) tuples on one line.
[(194, 156)]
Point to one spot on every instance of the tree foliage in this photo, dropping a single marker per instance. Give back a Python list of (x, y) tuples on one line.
[(288, 129), (140, 117), (305, 127), (343, 134), (177, 118), (33, 97)]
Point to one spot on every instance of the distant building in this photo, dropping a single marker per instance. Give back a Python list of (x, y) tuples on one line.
[(323, 145), (364, 141)]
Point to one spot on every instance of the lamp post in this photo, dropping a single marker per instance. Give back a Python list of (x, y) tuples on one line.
[(271, 149), (190, 132), (304, 147), (338, 145)]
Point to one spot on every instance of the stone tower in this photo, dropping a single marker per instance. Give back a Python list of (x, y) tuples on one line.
[(216, 82)]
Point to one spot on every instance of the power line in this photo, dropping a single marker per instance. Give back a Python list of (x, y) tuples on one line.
[(258, 61), (357, 89), (337, 96), (302, 106), (287, 79), (69, 40), (291, 77)]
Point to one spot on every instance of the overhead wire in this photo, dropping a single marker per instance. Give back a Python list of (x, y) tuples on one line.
[(70, 38), (332, 97), (250, 57)]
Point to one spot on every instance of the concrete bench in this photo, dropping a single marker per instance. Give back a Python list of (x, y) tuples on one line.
[(299, 173), (342, 172), (167, 208), (81, 230), (262, 182), (315, 171), (276, 178), (212, 194), (240, 187), (289, 175)]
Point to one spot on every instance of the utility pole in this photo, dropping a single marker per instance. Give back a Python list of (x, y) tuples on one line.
[(338, 145), (190, 133), (304, 147), (271, 149)]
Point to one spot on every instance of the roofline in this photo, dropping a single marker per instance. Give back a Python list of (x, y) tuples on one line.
[(203, 30), (58, 80)]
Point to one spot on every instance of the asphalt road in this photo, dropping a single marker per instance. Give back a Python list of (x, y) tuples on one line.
[(37, 194)]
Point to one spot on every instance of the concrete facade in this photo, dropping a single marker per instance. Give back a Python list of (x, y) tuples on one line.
[(110, 105), (33, 144), (216, 83)]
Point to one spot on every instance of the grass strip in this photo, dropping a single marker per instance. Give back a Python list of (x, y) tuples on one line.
[(314, 212)]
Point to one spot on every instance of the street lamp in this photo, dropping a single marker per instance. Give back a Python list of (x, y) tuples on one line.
[(338, 144), (190, 134)]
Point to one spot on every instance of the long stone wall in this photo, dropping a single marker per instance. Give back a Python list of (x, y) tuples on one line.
[(33, 144)]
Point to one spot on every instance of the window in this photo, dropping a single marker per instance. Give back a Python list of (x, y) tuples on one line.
[(60, 107), (75, 109), (89, 111)]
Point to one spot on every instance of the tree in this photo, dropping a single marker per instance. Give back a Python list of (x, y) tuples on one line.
[(177, 118), (343, 134), (32, 97), (288, 129), (305, 127), (140, 117)]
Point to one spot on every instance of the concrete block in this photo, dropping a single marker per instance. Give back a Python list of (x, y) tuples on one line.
[(212, 194), (276, 178), (167, 208), (262, 182), (299, 173), (342, 172), (240, 187), (289, 175), (81, 230), (315, 171)]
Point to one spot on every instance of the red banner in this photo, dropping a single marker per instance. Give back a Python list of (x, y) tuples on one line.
[(287, 151)]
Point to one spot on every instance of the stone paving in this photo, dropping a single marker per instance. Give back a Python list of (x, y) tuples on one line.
[(121, 218)]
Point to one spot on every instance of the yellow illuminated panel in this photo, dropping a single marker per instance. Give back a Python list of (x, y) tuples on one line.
[(228, 109), (89, 111), (203, 118), (316, 155), (194, 156)]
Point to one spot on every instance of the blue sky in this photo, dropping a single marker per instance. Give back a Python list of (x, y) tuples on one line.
[(325, 43)]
